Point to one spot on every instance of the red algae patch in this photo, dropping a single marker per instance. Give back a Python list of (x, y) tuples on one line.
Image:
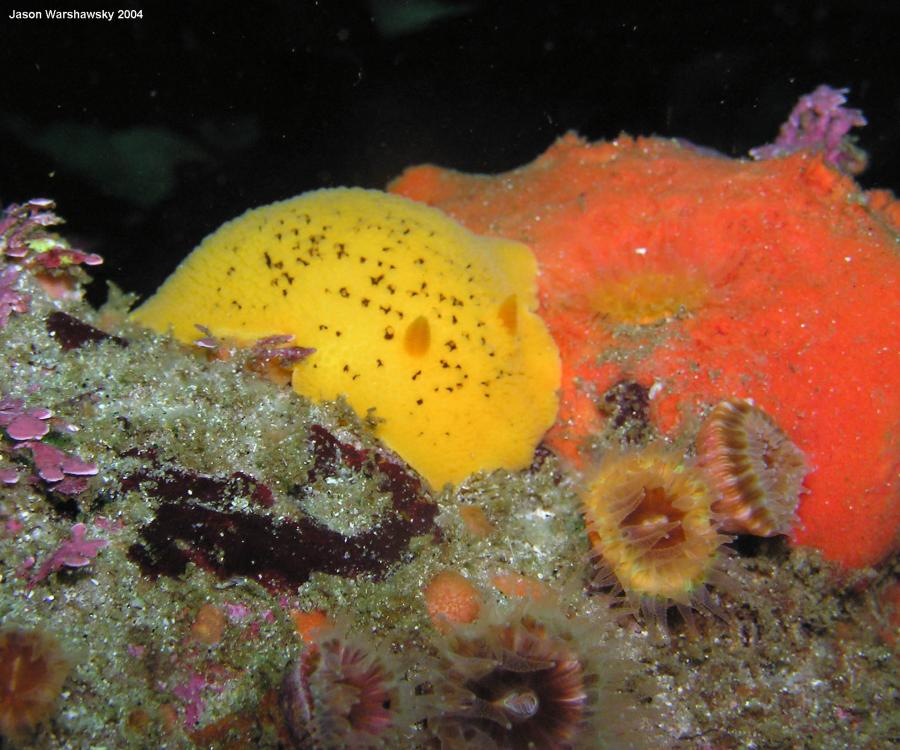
[(706, 277)]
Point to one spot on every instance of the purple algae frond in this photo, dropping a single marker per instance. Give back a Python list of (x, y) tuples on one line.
[(27, 427), (819, 122), (75, 552), (280, 350), (21, 423), (53, 464), (11, 299), (25, 241)]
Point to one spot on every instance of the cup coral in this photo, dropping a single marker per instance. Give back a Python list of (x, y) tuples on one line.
[(650, 521), (523, 678), (32, 672), (344, 692), (755, 468)]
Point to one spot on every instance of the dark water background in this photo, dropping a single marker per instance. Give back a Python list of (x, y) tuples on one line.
[(149, 133)]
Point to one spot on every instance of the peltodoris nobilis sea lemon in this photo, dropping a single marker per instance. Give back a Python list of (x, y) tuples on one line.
[(410, 315)]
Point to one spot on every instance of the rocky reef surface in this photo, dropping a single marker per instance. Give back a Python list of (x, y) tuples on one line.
[(192, 555)]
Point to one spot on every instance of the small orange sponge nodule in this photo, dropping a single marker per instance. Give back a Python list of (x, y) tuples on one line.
[(713, 278), (410, 315)]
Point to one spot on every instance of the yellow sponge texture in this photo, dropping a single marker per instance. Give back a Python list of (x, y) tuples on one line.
[(412, 317)]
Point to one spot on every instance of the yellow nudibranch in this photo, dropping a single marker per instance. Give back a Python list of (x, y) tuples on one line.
[(410, 315)]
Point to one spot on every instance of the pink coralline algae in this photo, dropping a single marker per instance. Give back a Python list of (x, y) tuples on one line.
[(76, 552), (191, 694), (279, 350), (273, 356), (26, 428), (820, 122), (11, 299), (25, 241), (53, 465), (25, 244), (21, 423)]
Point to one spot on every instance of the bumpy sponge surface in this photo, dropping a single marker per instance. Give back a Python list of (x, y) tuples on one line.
[(410, 314)]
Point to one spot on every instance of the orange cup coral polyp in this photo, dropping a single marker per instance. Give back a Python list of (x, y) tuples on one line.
[(33, 669), (756, 469), (650, 521)]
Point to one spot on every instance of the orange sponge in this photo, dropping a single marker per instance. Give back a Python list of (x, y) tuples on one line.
[(714, 278)]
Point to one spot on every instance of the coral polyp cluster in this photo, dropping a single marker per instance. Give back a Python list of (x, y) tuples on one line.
[(33, 669), (756, 470), (650, 521), (523, 679), (341, 692)]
